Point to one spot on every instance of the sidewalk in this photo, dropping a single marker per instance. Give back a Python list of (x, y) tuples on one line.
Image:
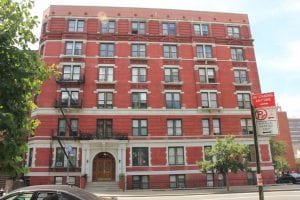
[(205, 191)]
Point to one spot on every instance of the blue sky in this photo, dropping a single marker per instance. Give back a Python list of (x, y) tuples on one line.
[(275, 27)]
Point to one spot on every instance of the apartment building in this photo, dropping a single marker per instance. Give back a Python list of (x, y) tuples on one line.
[(141, 93)]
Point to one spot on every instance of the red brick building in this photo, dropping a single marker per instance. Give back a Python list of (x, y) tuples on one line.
[(141, 94)]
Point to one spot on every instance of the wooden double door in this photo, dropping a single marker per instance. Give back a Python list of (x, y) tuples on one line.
[(103, 167)]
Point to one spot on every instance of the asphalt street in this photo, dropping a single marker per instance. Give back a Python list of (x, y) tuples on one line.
[(277, 195)]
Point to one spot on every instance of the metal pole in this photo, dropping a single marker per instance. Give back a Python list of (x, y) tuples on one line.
[(258, 171), (68, 169)]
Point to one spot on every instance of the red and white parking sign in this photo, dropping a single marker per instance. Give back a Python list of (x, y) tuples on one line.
[(265, 113)]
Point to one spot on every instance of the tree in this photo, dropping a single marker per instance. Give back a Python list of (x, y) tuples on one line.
[(278, 149), (22, 73), (225, 155)]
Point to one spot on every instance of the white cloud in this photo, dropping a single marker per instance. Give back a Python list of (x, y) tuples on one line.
[(289, 103)]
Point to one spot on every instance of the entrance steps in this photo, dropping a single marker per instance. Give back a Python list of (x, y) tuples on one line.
[(102, 186)]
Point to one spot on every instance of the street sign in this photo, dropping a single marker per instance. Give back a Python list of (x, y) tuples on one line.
[(265, 113), (263, 100), (266, 121), (259, 179)]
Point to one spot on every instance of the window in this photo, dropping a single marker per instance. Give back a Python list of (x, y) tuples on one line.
[(30, 156), (44, 27), (233, 31), (201, 29), (104, 128), (139, 74), (169, 29), (209, 100), (207, 75), (252, 153), (62, 125), (43, 195), (246, 125), (174, 127), (58, 180), (139, 100), (105, 100), (177, 181), (204, 51), (72, 157), (237, 54), (139, 127), (170, 51), (139, 156), (74, 127), (75, 25), (173, 100), (106, 74), (138, 28), (71, 72), (59, 157), (73, 48), (62, 161), (138, 50), (240, 76), (22, 196), (243, 100), (210, 180), (176, 156), (107, 50), (216, 126), (205, 127), (70, 98), (108, 26), (171, 75), (207, 149), (140, 182)]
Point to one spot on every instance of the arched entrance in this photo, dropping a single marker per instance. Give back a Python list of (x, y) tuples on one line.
[(104, 167)]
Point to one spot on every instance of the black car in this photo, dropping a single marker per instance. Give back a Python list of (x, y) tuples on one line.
[(50, 192), (289, 178)]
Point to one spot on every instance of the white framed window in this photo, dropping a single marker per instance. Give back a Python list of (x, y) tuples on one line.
[(138, 50), (139, 127), (107, 50), (138, 74), (205, 127), (233, 31), (204, 51), (75, 25), (207, 75), (209, 99), (201, 29), (71, 72), (73, 48), (246, 126), (244, 100), (169, 28), (171, 75), (106, 74), (108, 26), (138, 27), (237, 54), (170, 51), (176, 155), (174, 127), (240, 76)]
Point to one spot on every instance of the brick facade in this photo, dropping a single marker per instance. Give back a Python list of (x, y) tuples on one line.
[(153, 130)]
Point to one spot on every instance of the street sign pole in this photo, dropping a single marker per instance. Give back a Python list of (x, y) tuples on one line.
[(258, 171)]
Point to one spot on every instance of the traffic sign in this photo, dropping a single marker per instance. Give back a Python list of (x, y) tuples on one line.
[(263, 100), (266, 121), (69, 148)]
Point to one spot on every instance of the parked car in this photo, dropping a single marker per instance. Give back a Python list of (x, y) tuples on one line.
[(289, 178), (50, 192)]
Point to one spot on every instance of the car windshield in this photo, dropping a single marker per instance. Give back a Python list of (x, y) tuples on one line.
[(295, 174)]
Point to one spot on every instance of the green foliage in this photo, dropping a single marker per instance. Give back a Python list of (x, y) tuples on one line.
[(22, 73), (226, 155), (278, 149)]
